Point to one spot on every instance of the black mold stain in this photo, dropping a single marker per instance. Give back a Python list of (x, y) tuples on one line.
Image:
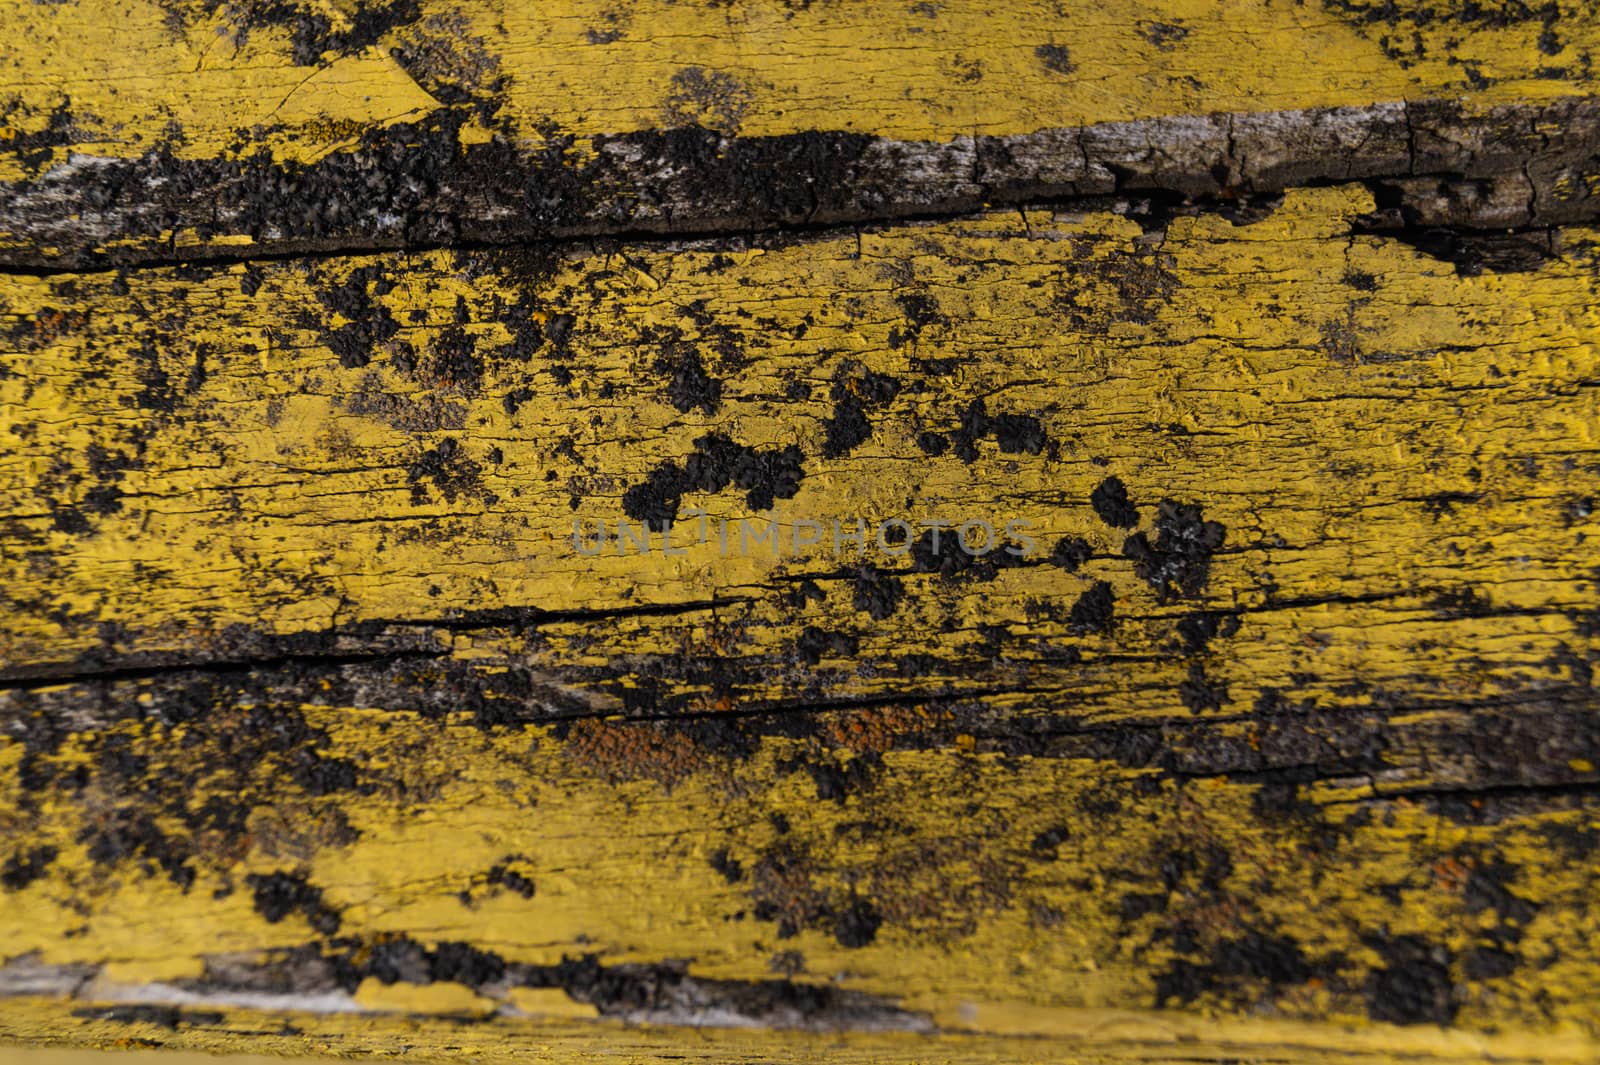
[(716, 462), (1110, 501), (1178, 563)]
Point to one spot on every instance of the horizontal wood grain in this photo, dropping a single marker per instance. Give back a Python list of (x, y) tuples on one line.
[(314, 704)]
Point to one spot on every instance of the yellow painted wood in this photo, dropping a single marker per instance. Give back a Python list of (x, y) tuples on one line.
[(195, 76), (1402, 458)]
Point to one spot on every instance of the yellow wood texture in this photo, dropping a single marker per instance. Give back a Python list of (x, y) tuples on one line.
[(324, 731), (195, 75), (1362, 798)]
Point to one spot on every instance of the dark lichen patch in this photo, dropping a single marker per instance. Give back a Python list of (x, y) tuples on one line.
[(313, 31), (613, 25), (1178, 563), (451, 472), (1013, 433), (814, 644), (877, 593), (1199, 692), (764, 475), (278, 895), (79, 493), (1046, 845), (1414, 985), (505, 875), (33, 144), (1054, 58), (125, 834), (785, 892), (419, 413), (858, 924), (1165, 36), (1196, 631), (1235, 968), (727, 866), (1070, 553), (1094, 610), (710, 99), (367, 324), (1488, 888), (837, 781), (1110, 501), (1401, 27), (1489, 963), (661, 992), (1133, 285), (452, 362), (690, 386), (25, 866), (921, 311), (1462, 602), (856, 390), (943, 552)]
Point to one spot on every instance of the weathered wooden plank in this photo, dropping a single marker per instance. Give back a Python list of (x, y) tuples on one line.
[(312, 703), (165, 128)]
